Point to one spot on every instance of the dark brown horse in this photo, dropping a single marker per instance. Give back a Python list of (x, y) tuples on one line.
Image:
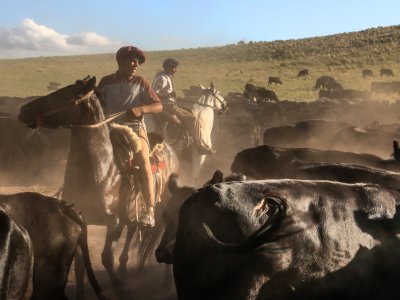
[(92, 180)]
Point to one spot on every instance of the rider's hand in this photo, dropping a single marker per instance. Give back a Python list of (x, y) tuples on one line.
[(173, 94), (135, 112)]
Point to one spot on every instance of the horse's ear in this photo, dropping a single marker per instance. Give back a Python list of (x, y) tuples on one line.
[(212, 87), (86, 79), (92, 82), (202, 86)]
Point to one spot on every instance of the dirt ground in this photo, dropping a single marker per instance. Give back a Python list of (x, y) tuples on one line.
[(154, 281)]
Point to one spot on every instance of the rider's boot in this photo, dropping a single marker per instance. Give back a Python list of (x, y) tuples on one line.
[(147, 219)]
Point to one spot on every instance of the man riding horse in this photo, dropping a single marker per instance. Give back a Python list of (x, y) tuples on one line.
[(126, 91), (163, 85)]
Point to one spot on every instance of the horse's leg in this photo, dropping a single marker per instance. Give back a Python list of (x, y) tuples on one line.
[(123, 259), (149, 247), (114, 230), (197, 162)]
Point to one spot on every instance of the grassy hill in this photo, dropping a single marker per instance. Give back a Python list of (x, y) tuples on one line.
[(230, 67)]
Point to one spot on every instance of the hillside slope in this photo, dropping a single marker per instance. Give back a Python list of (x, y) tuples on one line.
[(230, 67)]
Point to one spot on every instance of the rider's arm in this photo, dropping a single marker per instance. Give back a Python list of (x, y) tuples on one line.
[(153, 108), (149, 99)]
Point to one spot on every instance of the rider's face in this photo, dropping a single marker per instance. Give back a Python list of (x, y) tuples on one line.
[(128, 67), (171, 70)]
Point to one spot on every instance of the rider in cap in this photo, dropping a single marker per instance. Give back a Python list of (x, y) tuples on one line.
[(163, 85), (126, 91)]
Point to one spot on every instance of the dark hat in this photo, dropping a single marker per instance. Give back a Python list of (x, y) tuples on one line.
[(170, 63), (130, 52)]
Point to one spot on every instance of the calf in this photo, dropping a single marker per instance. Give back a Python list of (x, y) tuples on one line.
[(16, 260), (56, 229)]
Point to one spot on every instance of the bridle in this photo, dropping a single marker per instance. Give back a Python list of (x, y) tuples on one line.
[(219, 98)]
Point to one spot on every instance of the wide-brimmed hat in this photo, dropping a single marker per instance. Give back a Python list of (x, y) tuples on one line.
[(130, 52)]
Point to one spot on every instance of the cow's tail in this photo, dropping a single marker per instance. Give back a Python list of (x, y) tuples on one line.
[(76, 216)]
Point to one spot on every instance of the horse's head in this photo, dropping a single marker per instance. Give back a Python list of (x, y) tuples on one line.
[(69, 105), (211, 97)]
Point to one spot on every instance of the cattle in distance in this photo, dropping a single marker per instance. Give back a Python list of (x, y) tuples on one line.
[(303, 73), (386, 72), (367, 73), (275, 80), (258, 94)]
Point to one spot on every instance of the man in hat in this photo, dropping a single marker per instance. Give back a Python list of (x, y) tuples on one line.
[(126, 91)]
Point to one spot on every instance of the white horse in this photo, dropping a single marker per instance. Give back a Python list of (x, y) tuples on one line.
[(203, 109)]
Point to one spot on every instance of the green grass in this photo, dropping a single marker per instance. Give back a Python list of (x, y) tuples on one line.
[(231, 67)]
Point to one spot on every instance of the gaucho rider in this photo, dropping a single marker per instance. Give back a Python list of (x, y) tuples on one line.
[(163, 85), (126, 91)]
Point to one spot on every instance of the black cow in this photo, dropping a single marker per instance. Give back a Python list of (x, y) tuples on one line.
[(252, 92), (344, 94), (16, 260), (345, 173), (386, 72), (308, 133), (303, 73), (56, 229), (275, 80), (264, 162), (233, 239), (367, 73), (322, 81), (364, 140), (333, 86), (372, 274), (165, 250)]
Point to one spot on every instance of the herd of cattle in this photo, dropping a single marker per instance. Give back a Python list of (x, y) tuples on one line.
[(328, 87), (312, 213)]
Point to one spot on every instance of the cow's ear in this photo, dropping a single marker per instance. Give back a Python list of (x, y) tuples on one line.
[(202, 87)]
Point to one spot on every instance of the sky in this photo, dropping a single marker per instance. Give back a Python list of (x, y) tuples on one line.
[(32, 28)]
